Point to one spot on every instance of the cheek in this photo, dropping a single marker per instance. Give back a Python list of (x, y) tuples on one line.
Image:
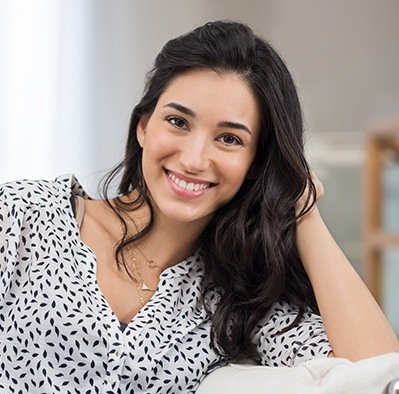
[(237, 170), (159, 146)]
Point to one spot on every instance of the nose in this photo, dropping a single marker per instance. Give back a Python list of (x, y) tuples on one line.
[(195, 154)]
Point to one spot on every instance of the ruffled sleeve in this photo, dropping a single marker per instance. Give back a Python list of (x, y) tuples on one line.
[(20, 203), (8, 231), (305, 341), (5, 229)]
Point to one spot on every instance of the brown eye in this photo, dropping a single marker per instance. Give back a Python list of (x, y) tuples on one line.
[(229, 139), (177, 122)]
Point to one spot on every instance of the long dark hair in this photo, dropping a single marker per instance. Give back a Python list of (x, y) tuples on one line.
[(249, 249)]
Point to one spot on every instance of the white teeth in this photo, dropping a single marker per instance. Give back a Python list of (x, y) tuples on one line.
[(189, 186)]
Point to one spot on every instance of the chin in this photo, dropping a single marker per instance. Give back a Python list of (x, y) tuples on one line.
[(186, 216)]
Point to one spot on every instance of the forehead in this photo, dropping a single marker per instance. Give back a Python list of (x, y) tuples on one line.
[(223, 95)]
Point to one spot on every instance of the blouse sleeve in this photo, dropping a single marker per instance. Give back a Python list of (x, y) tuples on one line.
[(5, 228), (21, 204), (305, 341)]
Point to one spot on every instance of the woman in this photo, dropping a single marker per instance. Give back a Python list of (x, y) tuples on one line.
[(213, 250)]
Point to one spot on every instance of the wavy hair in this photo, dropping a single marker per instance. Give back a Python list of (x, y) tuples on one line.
[(249, 249)]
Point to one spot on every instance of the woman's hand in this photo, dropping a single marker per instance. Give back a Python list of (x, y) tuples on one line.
[(306, 199)]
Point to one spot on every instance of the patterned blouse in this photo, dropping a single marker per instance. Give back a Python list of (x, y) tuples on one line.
[(59, 335)]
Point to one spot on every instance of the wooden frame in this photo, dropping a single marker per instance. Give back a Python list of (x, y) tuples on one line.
[(382, 145)]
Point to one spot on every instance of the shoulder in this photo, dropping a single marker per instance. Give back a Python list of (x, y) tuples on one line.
[(280, 342), (282, 315), (39, 192)]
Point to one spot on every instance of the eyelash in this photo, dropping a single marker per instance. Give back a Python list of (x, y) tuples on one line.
[(237, 141), (174, 118)]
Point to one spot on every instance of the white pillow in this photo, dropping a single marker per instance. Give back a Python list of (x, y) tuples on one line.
[(321, 376)]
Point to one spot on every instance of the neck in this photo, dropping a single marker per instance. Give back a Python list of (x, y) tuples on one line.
[(168, 248), (168, 242)]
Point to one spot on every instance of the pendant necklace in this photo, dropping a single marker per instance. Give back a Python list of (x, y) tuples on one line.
[(141, 285)]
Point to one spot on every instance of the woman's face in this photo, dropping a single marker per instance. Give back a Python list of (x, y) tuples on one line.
[(198, 144)]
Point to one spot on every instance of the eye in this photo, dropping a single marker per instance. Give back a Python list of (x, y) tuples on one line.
[(178, 122), (229, 139)]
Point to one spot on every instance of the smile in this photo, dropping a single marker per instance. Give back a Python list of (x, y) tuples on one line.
[(189, 186)]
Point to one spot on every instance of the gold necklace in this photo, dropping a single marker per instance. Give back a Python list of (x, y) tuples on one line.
[(141, 285), (150, 263)]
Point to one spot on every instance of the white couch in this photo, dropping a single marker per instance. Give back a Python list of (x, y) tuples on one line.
[(321, 376)]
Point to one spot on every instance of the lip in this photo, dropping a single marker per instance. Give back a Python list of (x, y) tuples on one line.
[(183, 191)]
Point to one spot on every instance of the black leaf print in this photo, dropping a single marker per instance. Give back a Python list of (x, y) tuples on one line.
[(59, 335)]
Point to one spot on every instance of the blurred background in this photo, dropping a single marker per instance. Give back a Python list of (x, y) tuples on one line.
[(71, 71)]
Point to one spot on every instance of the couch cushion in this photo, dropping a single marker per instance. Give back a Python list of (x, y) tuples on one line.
[(321, 376)]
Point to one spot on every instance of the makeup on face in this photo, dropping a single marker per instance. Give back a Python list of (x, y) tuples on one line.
[(198, 147)]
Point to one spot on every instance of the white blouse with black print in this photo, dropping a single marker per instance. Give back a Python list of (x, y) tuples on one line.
[(59, 335)]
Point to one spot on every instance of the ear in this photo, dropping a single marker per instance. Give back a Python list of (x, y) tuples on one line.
[(141, 129)]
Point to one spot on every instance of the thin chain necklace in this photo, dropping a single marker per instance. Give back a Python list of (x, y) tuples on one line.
[(151, 263), (141, 285)]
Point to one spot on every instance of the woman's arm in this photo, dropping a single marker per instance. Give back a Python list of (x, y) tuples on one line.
[(355, 325)]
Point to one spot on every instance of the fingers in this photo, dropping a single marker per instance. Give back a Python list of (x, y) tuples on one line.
[(305, 201), (318, 185)]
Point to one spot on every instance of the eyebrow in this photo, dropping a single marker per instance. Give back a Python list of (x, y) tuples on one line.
[(225, 123), (181, 108), (234, 125)]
